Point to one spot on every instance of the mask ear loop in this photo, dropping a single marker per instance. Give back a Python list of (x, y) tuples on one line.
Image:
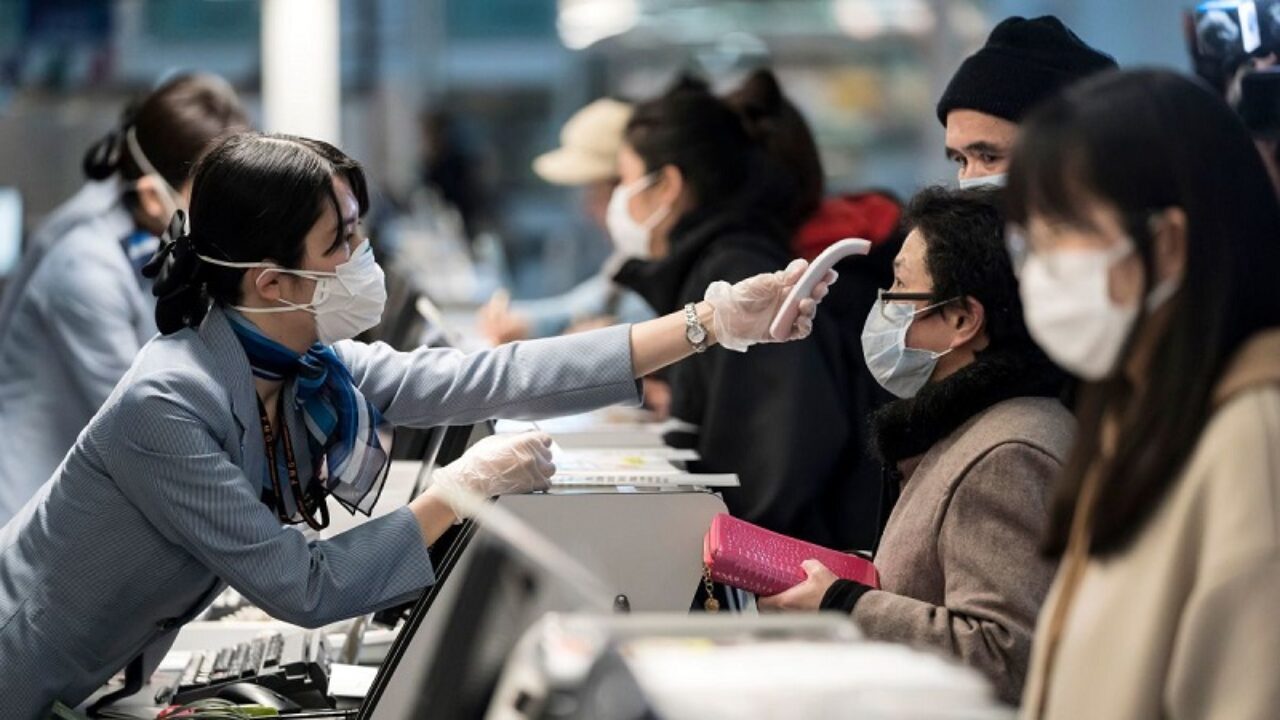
[(649, 181), (315, 275), (168, 193), (641, 184), (931, 308), (1130, 247), (935, 306), (309, 274)]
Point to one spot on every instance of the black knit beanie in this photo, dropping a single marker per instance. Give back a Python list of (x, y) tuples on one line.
[(1023, 62)]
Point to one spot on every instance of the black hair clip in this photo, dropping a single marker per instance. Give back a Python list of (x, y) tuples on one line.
[(175, 243), (102, 159)]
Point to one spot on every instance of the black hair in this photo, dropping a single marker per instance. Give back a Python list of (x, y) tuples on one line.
[(697, 132), (254, 198), (965, 254), (1142, 142), (173, 126), (793, 162)]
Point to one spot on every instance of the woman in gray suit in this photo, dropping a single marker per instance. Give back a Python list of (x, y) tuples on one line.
[(77, 311), (254, 406)]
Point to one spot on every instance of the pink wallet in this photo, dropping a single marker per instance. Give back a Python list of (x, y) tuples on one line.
[(747, 556)]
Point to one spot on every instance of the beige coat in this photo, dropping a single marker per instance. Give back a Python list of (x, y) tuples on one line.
[(1183, 623), (959, 565)]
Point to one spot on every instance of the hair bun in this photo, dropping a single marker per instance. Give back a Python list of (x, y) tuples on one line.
[(759, 100), (762, 91), (181, 300), (102, 159), (175, 269), (687, 82)]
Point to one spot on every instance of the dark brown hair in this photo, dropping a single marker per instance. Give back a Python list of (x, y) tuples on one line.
[(965, 255), (254, 198), (692, 129), (792, 154), (173, 125), (1142, 142)]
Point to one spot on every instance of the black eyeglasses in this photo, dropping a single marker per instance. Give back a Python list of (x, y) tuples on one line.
[(887, 296)]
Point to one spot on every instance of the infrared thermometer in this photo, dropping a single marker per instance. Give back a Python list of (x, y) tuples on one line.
[(781, 327)]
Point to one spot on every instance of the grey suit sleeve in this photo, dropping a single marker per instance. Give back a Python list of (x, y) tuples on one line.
[(169, 464), (525, 380), (995, 577), (89, 316)]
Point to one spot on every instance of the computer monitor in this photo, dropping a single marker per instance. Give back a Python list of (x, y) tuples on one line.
[(449, 657), (10, 229)]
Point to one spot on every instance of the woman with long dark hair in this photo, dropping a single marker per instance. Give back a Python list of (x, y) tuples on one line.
[(700, 199), (1149, 243), (795, 191), (255, 407), (77, 310)]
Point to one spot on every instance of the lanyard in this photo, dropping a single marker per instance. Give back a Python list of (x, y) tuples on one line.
[(300, 496)]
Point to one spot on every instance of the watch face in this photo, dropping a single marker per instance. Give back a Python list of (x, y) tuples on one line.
[(696, 335)]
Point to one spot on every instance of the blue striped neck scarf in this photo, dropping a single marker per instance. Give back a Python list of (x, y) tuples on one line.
[(341, 424)]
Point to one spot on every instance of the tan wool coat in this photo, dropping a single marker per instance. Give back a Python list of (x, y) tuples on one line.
[(959, 565), (1182, 623)]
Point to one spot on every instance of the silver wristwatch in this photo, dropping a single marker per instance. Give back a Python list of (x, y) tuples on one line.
[(694, 332)]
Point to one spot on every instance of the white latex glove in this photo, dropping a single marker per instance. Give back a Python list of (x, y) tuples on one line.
[(744, 311), (497, 465)]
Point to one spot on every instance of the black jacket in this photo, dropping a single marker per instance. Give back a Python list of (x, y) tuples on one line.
[(789, 419)]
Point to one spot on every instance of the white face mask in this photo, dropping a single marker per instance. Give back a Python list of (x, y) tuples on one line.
[(346, 302), (992, 180), (1066, 300), (168, 196), (632, 239), (899, 369)]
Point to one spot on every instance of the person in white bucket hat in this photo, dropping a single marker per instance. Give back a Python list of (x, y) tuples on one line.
[(587, 158)]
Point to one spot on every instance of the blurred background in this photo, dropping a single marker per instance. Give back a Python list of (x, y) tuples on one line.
[(446, 102)]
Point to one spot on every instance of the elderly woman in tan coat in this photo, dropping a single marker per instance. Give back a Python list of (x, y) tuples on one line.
[(1153, 246), (973, 445)]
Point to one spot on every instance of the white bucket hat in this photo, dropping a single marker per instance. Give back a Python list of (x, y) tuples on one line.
[(589, 144)]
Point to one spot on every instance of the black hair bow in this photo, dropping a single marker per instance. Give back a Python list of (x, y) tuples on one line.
[(175, 251)]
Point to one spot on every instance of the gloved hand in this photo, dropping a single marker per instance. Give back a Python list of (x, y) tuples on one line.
[(744, 311), (497, 465)]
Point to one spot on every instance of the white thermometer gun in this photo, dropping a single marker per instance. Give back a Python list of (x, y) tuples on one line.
[(781, 327)]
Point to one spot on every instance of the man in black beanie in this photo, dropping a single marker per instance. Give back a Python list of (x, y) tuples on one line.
[(1024, 62)]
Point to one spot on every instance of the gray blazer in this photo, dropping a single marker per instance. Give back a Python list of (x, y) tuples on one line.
[(157, 505), (69, 329), (92, 200)]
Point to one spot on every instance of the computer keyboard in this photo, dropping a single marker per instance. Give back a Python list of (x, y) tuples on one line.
[(296, 666), (241, 661)]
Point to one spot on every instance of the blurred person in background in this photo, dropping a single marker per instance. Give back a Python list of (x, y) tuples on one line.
[(698, 200), (71, 325), (1022, 63), (452, 168), (1224, 54), (588, 159), (1146, 229)]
